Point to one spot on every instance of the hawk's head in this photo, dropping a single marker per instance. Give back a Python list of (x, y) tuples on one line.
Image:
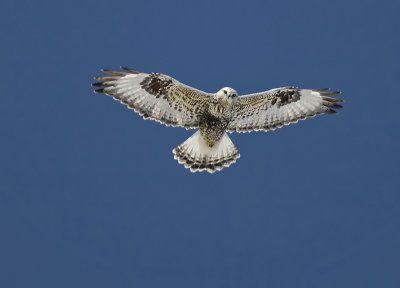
[(227, 96)]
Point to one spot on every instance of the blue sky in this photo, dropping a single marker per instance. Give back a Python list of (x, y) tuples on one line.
[(90, 195)]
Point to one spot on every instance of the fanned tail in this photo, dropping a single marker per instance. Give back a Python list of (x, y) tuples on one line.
[(195, 154)]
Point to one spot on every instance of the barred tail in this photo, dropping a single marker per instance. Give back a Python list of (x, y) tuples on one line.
[(196, 155)]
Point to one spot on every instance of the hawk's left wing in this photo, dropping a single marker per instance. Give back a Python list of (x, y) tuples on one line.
[(281, 106), (155, 96)]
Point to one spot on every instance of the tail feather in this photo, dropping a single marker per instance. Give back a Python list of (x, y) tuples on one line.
[(195, 154)]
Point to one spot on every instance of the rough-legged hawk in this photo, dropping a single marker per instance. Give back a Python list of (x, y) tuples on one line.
[(164, 99)]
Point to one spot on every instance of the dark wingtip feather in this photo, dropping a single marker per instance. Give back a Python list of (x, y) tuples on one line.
[(333, 105), (328, 93), (331, 111), (331, 99), (320, 89), (337, 106), (98, 84), (99, 90), (113, 72), (129, 70)]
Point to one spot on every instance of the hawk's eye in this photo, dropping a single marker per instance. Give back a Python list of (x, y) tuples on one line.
[(225, 91), (233, 95)]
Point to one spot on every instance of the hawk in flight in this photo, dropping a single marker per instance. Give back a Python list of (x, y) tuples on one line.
[(164, 99)]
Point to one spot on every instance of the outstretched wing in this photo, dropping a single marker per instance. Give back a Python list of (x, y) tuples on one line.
[(281, 106), (155, 96)]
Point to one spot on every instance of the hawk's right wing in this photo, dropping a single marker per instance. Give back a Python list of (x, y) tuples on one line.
[(155, 96)]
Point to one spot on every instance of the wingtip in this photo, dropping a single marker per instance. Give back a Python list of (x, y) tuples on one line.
[(337, 106), (129, 70), (328, 93), (99, 91), (332, 100), (113, 72), (98, 84)]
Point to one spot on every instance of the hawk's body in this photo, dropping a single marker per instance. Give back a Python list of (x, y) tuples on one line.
[(164, 99), (214, 120)]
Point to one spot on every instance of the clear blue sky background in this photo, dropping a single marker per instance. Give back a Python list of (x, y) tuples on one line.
[(90, 195)]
